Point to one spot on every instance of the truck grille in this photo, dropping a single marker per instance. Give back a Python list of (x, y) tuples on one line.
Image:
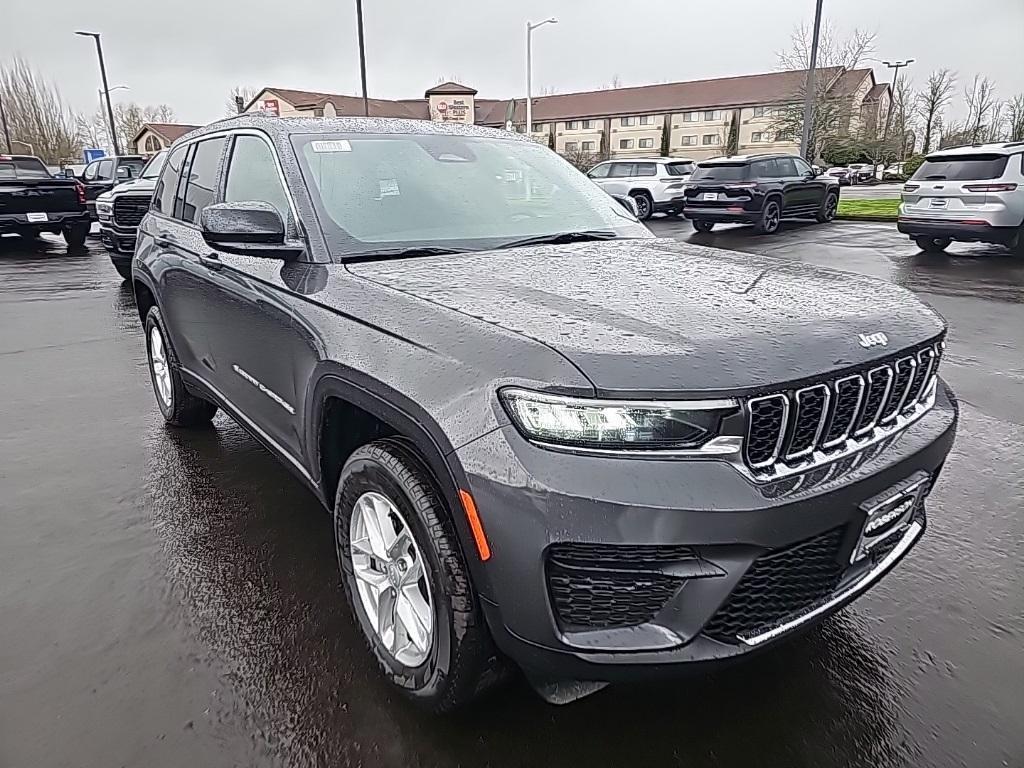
[(129, 210), (802, 427)]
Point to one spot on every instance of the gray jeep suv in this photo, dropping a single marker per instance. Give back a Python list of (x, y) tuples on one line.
[(546, 437)]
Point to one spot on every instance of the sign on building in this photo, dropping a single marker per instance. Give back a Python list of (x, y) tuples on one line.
[(270, 107)]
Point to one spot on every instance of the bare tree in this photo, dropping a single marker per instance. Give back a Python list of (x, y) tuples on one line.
[(582, 159), (932, 100), (981, 100), (902, 126), (246, 94), (1015, 118), (954, 134), (129, 118), (37, 114), (833, 51), (615, 83)]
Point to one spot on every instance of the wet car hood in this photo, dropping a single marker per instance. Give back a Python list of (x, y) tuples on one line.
[(660, 316), (142, 186)]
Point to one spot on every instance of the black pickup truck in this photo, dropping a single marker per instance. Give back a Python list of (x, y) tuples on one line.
[(32, 201)]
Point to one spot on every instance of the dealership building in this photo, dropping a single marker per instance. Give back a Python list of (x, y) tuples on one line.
[(686, 119)]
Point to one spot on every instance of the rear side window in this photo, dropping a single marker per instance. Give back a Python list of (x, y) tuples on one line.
[(600, 171), (201, 188), (167, 186), (252, 175), (962, 168), (678, 169), (622, 170), (23, 168), (720, 172), (646, 169)]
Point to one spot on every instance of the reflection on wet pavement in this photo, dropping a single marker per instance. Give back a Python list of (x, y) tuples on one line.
[(171, 597)]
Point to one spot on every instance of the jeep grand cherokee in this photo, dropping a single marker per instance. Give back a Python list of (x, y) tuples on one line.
[(546, 437)]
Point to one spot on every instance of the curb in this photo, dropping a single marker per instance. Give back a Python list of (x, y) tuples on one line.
[(848, 217)]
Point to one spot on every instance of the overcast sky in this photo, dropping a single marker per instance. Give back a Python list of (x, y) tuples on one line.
[(190, 53)]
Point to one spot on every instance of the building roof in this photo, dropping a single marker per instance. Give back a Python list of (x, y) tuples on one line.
[(167, 131), (877, 90), (348, 105), (451, 87)]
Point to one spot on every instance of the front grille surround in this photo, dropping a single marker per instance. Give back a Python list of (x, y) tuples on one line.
[(129, 210)]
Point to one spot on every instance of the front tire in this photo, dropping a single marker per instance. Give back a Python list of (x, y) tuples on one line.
[(180, 408), (703, 225), (827, 212), (644, 205), (75, 234), (407, 581), (771, 218), (932, 244)]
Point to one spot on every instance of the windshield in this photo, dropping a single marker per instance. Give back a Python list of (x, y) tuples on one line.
[(23, 168), (377, 192), (720, 172), (961, 168), (154, 166)]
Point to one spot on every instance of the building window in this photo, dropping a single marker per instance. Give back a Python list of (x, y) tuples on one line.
[(153, 144), (710, 139), (688, 141), (646, 120), (646, 143), (625, 143), (588, 146), (784, 136), (757, 136), (689, 117), (586, 124), (539, 127), (765, 112), (571, 125), (572, 146), (712, 114), (628, 121)]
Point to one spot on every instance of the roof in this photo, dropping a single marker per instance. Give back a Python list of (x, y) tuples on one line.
[(877, 90), (767, 88), (745, 158), (348, 105), (998, 148), (451, 87), (849, 81), (168, 131), (281, 127)]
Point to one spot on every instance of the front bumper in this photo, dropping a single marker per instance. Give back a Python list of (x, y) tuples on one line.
[(721, 536), (967, 231), (118, 240)]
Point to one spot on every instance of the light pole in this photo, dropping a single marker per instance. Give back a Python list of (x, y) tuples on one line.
[(106, 88), (362, 56), (805, 135), (529, 70), (896, 66)]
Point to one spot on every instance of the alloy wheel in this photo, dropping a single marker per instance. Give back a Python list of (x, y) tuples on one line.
[(390, 578), (830, 207), (771, 217), (160, 367), (643, 206)]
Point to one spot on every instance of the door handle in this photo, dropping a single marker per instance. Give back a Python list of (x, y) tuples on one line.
[(211, 261)]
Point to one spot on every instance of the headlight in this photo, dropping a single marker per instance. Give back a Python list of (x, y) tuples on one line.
[(615, 424), (103, 207)]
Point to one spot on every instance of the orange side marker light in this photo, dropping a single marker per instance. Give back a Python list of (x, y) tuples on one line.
[(482, 547)]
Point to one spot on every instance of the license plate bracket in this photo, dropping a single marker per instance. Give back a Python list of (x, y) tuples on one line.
[(889, 514), (709, 196), (36, 218)]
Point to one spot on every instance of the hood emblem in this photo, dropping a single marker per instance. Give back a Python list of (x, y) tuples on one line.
[(869, 340)]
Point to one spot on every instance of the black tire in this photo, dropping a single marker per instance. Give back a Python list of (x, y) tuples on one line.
[(461, 662), (644, 205), (75, 235), (827, 211), (932, 244), (184, 408), (124, 269), (771, 217), (703, 225)]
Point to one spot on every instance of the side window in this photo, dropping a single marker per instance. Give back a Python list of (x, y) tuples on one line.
[(801, 167), (599, 171), (167, 186), (106, 170), (252, 175), (201, 188), (622, 170), (765, 169), (786, 167), (646, 169), (89, 174)]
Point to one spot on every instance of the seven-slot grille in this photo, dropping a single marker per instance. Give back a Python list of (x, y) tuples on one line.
[(790, 427), (129, 209)]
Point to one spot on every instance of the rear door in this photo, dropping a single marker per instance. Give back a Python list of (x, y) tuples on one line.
[(942, 187), (796, 194), (619, 178)]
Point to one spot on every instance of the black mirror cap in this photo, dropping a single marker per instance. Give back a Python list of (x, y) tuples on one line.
[(250, 222)]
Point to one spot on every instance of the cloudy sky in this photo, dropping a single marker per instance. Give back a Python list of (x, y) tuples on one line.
[(190, 53)]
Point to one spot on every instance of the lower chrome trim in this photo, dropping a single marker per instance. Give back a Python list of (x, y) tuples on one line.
[(914, 532)]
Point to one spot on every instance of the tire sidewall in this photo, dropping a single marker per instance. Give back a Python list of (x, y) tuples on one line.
[(367, 474), (829, 207), (764, 216), (646, 201), (154, 320)]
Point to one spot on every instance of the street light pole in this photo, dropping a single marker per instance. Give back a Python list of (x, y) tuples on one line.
[(529, 70), (106, 88), (805, 135), (896, 66), (362, 56)]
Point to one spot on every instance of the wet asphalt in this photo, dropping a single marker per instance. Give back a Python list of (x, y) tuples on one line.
[(170, 598)]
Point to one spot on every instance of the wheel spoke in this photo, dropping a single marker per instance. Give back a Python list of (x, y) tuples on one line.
[(372, 528), (386, 619), (401, 545), (413, 613)]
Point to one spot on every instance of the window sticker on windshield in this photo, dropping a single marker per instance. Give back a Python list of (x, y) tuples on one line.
[(338, 145), (389, 187)]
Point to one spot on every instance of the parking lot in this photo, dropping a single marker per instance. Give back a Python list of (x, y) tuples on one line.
[(171, 598)]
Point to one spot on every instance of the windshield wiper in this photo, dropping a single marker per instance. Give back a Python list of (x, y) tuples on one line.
[(561, 238), (935, 177), (400, 253)]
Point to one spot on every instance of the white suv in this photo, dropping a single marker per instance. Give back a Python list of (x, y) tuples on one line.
[(969, 193), (654, 183)]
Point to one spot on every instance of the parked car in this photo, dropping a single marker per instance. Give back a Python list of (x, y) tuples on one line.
[(32, 201), (655, 183), (546, 437), (843, 175), (758, 189), (972, 194), (862, 173), (894, 172), (121, 209), (102, 175)]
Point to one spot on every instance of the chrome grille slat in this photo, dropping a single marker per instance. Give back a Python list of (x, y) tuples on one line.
[(813, 426)]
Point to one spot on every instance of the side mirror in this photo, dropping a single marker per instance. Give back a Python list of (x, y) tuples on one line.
[(124, 172), (251, 228), (628, 203), (809, 174), (69, 173)]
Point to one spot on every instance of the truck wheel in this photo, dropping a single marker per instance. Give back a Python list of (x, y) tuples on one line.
[(932, 244), (703, 225), (75, 234), (771, 216), (827, 212), (406, 579), (180, 408), (644, 205)]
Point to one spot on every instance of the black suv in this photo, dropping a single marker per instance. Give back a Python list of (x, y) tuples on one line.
[(104, 174), (545, 436), (760, 190)]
